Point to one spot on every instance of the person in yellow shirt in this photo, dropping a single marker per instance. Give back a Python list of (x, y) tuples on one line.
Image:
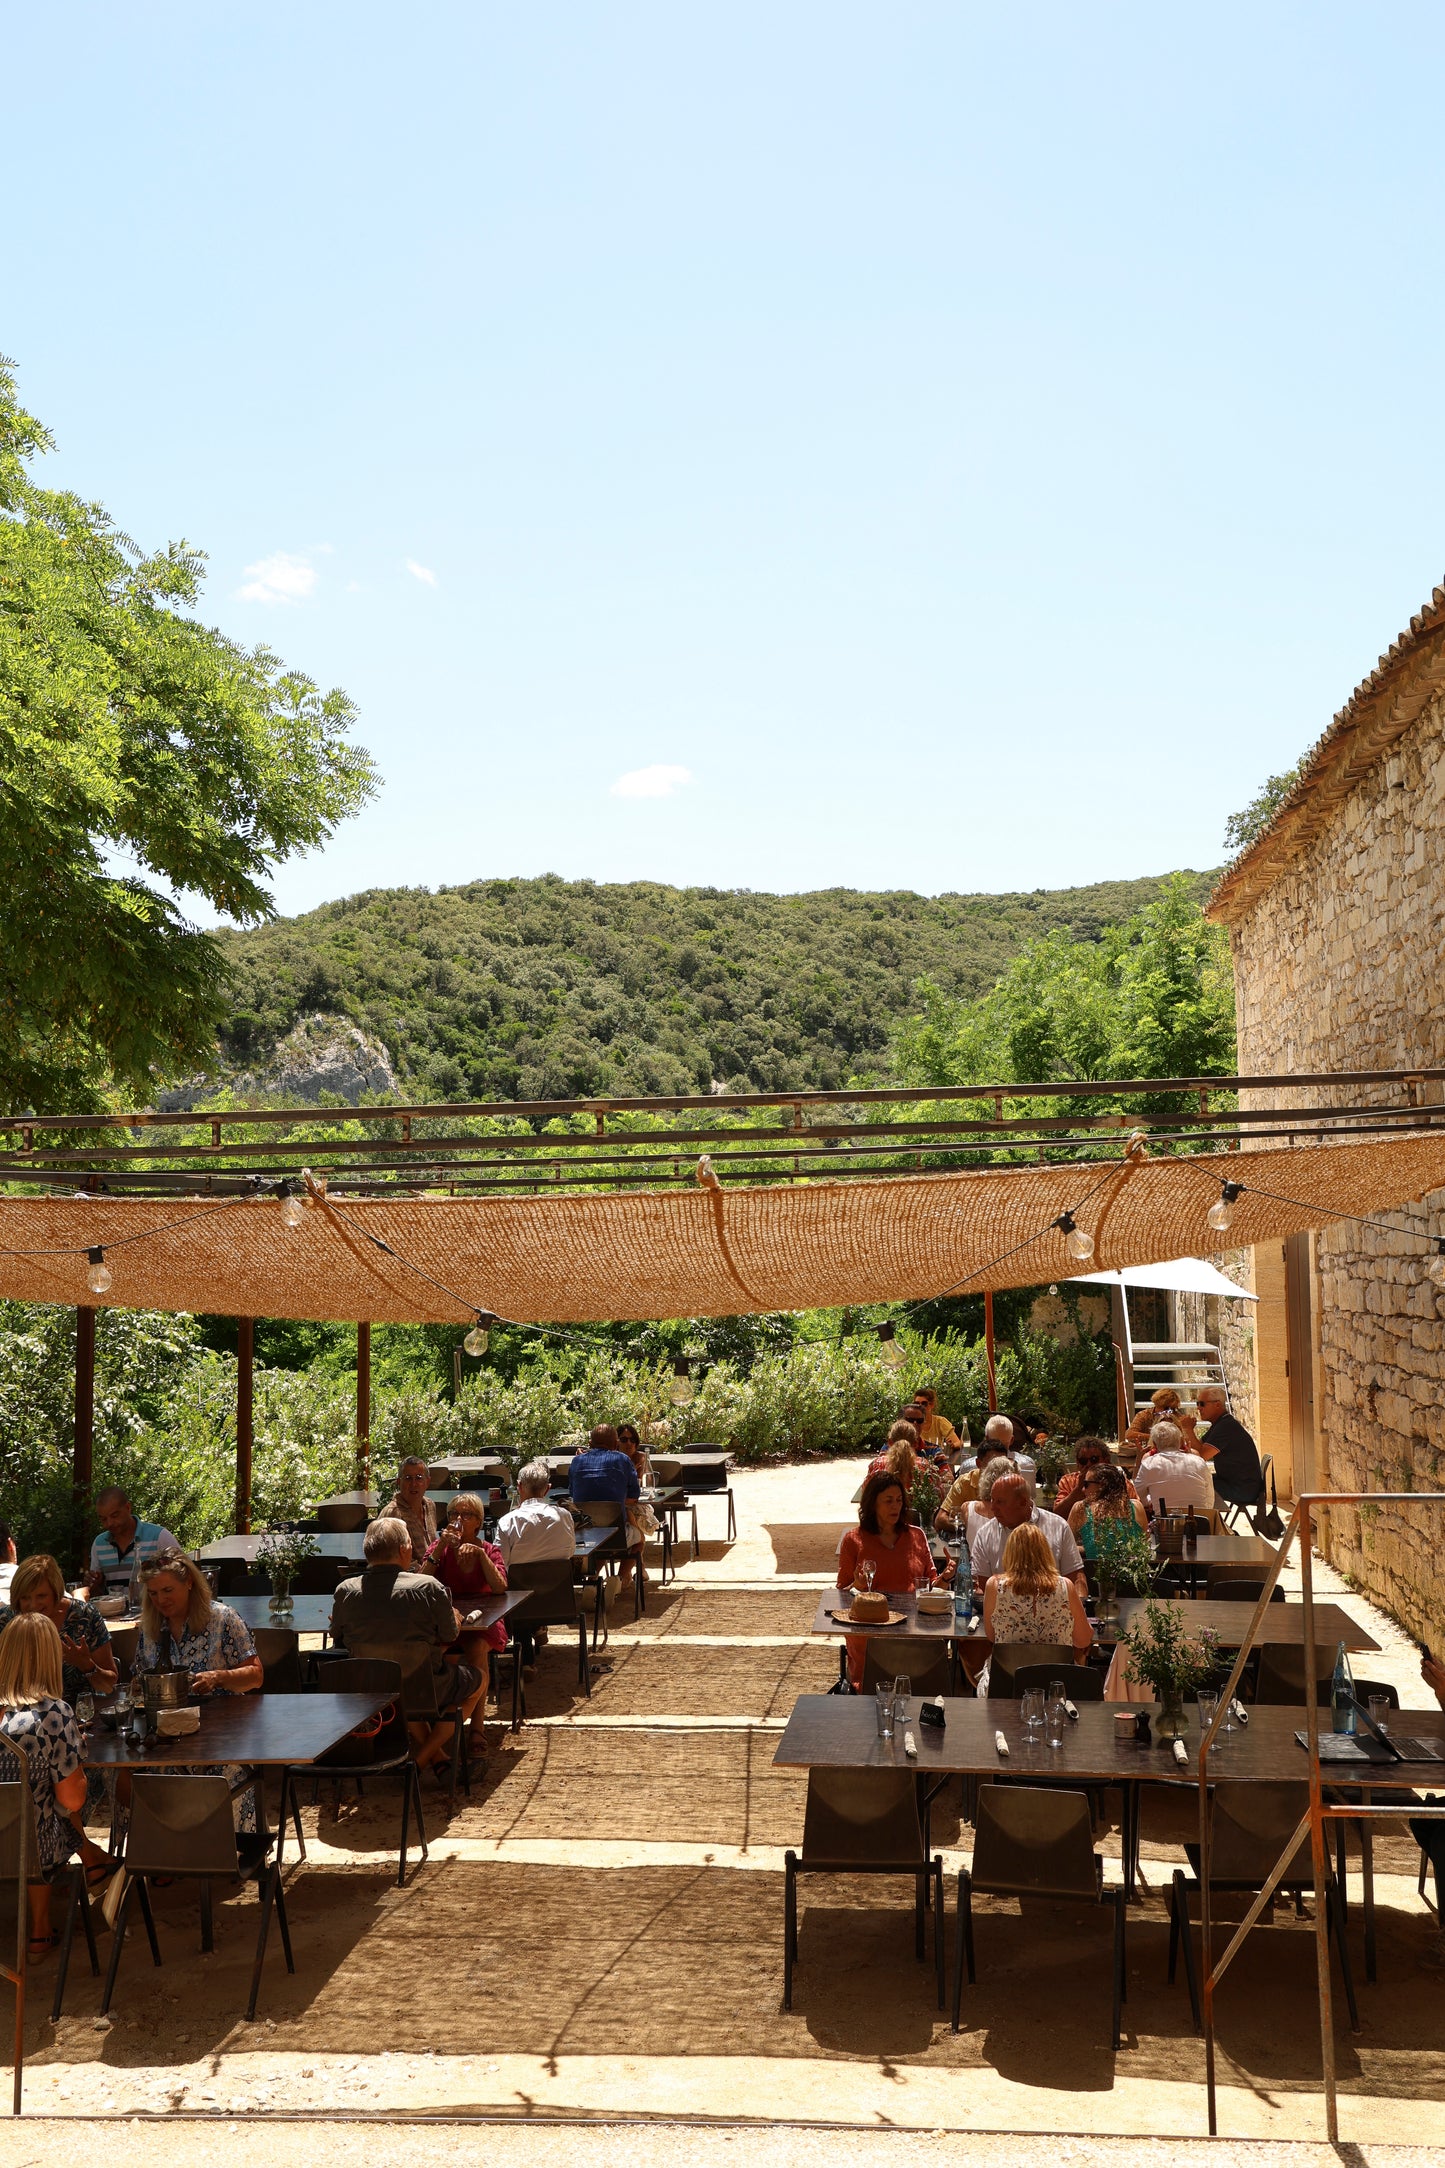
[(936, 1429)]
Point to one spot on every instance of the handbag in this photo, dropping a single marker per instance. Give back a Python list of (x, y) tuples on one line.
[(1269, 1523)]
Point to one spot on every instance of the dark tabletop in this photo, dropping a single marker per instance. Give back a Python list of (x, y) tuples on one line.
[(935, 1629), (592, 1540), (308, 1614), (835, 1731), (266, 1729), (1283, 1625), (246, 1547), (1229, 1549)]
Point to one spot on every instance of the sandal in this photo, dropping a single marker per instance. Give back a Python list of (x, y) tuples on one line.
[(40, 1947), (100, 1872)]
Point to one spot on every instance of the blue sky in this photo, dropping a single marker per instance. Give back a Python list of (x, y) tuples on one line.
[(935, 447)]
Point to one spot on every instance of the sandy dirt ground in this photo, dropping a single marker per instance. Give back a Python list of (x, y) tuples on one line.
[(597, 1940)]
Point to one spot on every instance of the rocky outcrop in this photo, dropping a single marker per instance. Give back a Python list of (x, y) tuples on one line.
[(321, 1056)]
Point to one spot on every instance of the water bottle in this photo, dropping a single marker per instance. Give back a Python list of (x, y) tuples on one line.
[(1342, 1692), (963, 1592)]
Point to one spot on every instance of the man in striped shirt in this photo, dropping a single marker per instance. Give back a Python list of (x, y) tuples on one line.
[(124, 1543)]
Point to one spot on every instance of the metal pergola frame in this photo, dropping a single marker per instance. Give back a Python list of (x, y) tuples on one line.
[(1320, 1811)]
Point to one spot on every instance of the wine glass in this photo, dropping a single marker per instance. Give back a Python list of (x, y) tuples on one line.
[(866, 1571), (902, 1689), (85, 1709), (1032, 1712)]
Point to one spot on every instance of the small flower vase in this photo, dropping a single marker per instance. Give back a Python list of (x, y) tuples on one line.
[(280, 1605), (1169, 1723)]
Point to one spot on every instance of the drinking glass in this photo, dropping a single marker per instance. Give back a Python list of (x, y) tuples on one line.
[(902, 1688), (1379, 1708), (1207, 1704), (865, 1573), (1031, 1712), (85, 1710), (883, 1702), (1055, 1695), (1055, 1721)]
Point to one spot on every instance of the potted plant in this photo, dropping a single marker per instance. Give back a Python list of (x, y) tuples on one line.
[(281, 1554), (1166, 1656), (1122, 1560)]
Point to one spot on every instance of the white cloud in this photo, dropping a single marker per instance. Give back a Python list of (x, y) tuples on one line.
[(279, 579), (423, 573), (661, 780)]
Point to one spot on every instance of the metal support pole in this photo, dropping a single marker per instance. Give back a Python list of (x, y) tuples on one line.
[(1317, 1826), (988, 1351), (245, 1419), (363, 1403), (83, 1466)]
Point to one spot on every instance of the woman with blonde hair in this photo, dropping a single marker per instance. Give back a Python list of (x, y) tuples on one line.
[(88, 1664), (1028, 1599), (183, 1628), (37, 1725), (904, 1458)]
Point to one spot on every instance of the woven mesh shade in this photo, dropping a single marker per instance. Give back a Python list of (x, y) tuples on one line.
[(691, 1253)]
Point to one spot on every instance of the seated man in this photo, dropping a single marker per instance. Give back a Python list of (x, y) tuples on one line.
[(602, 1474), (1232, 1454), (412, 1507), (1170, 1478), (535, 1528), (963, 1491), (124, 1544), (390, 1611), (1012, 1504)]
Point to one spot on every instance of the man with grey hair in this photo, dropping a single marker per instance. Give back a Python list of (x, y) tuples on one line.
[(1011, 1503), (535, 1528), (391, 1612), (1172, 1477), (1232, 1454), (411, 1505)]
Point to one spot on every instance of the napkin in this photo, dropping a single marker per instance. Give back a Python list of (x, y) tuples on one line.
[(1181, 1753), (1241, 1714), (1001, 1743), (910, 1744), (1071, 1712)]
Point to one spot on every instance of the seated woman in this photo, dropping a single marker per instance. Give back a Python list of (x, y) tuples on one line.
[(36, 1721), (936, 1432), (1107, 1496), (889, 1540), (183, 1628), (469, 1569), (1135, 1442), (1089, 1454), (639, 1510), (925, 1482), (1169, 1408), (1030, 1600), (88, 1662)]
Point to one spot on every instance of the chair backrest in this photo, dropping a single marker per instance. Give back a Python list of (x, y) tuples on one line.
[(1250, 1825), (867, 1815), (280, 1654), (1010, 1657), (340, 1520), (413, 1663), (364, 1675), (923, 1663), (17, 1815), (706, 1479), (553, 1601), (666, 1469), (1280, 1681), (123, 1641), (1243, 1592), (1220, 1576), (1365, 1688), (234, 1577), (180, 1825), (319, 1576), (1029, 1840), (440, 1478), (1080, 1683), (601, 1512)]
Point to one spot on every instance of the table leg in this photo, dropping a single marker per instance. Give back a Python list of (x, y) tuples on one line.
[(1367, 1880)]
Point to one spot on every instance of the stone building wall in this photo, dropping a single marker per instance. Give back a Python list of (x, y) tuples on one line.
[(1338, 964), (1229, 1326)]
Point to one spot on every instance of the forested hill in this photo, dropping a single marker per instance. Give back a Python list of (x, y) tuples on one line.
[(556, 989)]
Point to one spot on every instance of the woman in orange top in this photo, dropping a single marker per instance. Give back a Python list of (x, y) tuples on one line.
[(892, 1543)]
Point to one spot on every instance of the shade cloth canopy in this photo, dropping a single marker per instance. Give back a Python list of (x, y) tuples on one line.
[(1178, 1276), (688, 1254)]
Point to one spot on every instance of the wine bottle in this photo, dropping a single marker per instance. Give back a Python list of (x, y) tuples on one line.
[(1342, 1692)]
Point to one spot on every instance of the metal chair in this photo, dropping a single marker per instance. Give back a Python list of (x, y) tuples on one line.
[(1011, 1657), (18, 1856), (123, 1641), (555, 1601), (607, 1513), (1280, 1681), (237, 1577), (182, 1826), (926, 1664), (279, 1650), (1243, 1592), (709, 1483), (379, 1752), (341, 1520), (440, 1477), (1035, 1843), (419, 1699), (322, 1576), (864, 1821), (1250, 1825), (1080, 1683), (1231, 1509), (1220, 1576)]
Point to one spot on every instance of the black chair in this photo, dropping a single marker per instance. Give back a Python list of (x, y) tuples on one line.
[(419, 1700), (67, 1890), (1230, 1509), (1243, 1592), (182, 1827), (555, 1600), (235, 1577), (1011, 1657), (864, 1821), (377, 1750), (712, 1483), (322, 1576), (1080, 1683), (1250, 1825), (279, 1650), (340, 1520), (926, 1664), (123, 1641), (1380, 1689), (1280, 1679), (607, 1513), (1035, 1843)]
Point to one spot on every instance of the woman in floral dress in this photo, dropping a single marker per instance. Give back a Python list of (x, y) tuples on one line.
[(36, 1724)]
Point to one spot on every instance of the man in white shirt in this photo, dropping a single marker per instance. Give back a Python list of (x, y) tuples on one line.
[(1171, 1479), (1012, 1504), (535, 1528), (998, 1432)]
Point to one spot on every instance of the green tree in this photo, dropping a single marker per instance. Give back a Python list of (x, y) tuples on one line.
[(1243, 829), (142, 754)]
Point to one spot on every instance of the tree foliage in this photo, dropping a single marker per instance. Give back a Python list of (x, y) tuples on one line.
[(142, 754), (546, 988), (1243, 829)]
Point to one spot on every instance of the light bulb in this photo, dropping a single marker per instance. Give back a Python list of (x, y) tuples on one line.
[(293, 1211), (1219, 1216), (1435, 1270), (476, 1341), (1079, 1244), (681, 1383), (98, 1278), (889, 1349)]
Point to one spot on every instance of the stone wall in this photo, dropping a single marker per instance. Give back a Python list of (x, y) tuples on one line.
[(1229, 1326), (1339, 965)]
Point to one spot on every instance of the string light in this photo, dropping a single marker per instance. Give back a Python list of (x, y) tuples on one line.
[(98, 1278), (891, 1352), (1221, 1213), (476, 1340), (1077, 1240), (681, 1382)]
